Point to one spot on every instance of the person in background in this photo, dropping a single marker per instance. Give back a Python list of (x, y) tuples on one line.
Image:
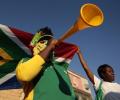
[(105, 87)]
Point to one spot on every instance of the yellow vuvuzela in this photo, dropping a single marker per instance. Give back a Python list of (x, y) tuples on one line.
[(90, 16)]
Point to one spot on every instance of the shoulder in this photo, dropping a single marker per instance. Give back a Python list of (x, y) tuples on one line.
[(97, 82), (96, 79), (24, 60)]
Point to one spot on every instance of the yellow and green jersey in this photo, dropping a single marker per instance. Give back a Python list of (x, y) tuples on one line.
[(47, 81)]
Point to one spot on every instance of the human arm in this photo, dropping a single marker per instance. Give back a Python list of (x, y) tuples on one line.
[(45, 53), (27, 70), (85, 66)]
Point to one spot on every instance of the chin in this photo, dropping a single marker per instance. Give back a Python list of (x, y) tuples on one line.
[(112, 80)]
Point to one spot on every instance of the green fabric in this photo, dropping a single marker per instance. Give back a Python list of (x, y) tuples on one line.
[(99, 93), (38, 36), (54, 83), (13, 50)]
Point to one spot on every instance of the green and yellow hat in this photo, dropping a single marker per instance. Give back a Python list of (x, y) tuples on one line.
[(39, 36)]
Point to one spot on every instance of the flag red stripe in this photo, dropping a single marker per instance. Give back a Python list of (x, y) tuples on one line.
[(24, 37), (65, 50)]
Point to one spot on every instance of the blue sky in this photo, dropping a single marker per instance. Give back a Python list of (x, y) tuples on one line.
[(99, 45)]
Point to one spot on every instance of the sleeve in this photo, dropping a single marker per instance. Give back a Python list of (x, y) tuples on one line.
[(97, 82), (27, 70)]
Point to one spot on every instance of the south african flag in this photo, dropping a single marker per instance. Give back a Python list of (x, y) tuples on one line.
[(14, 45)]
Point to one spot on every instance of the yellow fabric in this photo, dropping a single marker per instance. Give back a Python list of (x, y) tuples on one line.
[(27, 71), (39, 47), (28, 90)]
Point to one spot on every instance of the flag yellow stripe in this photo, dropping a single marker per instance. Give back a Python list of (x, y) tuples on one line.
[(6, 57)]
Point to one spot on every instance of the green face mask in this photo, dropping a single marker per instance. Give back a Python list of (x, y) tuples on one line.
[(35, 39)]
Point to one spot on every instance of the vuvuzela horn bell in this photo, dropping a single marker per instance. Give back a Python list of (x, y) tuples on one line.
[(90, 16)]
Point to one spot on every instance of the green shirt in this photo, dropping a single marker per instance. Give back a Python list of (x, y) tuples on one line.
[(54, 83)]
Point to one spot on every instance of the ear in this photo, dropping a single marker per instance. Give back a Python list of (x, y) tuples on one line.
[(102, 76)]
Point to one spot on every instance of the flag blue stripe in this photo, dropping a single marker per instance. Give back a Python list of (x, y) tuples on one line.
[(10, 84)]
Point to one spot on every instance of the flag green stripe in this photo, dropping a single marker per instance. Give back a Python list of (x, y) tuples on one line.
[(7, 68), (54, 78), (11, 47)]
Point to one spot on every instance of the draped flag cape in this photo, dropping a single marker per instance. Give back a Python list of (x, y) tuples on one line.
[(14, 45)]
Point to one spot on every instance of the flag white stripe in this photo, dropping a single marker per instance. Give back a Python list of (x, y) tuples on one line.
[(61, 59), (7, 77), (11, 35)]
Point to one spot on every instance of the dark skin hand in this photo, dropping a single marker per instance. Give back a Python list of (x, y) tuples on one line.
[(85, 66), (45, 53)]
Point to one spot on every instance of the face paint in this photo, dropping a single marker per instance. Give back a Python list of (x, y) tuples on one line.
[(39, 42), (35, 39), (40, 46)]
